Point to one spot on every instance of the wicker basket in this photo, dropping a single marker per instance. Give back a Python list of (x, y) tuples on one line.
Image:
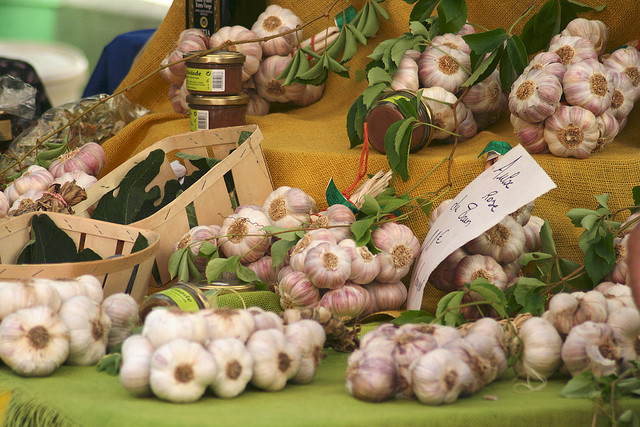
[(209, 197), (119, 270)]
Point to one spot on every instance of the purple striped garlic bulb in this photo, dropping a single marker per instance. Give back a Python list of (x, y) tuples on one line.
[(270, 87), (296, 290), (194, 238), (252, 51), (365, 266), (327, 265), (627, 61), (530, 135), (277, 20), (242, 234), (572, 49), (441, 102), (347, 302), (387, 296), (288, 207), (34, 178), (398, 247), (588, 84), (535, 96), (608, 127), (190, 40), (406, 77), (593, 30), (474, 267), (443, 67), (548, 62), (571, 132), (504, 241), (309, 240), (89, 158), (81, 179), (337, 219), (486, 96), (623, 98)]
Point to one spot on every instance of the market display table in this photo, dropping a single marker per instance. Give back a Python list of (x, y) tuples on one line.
[(83, 396)]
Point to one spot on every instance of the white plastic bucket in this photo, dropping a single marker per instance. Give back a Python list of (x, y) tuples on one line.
[(62, 68)]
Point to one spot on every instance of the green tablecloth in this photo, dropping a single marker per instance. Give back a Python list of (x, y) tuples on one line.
[(89, 398)]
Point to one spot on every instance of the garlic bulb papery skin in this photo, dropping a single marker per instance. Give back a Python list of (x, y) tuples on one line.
[(625, 324), (481, 368), (571, 132), (327, 265), (437, 211), (265, 270), (486, 96), (346, 303), (288, 207), (624, 96), (34, 341), (4, 205), (92, 287), (275, 360), (271, 22), (257, 106), (193, 239), (562, 308), (136, 365), (442, 334), (439, 377), (235, 367), (535, 96), (504, 241), (443, 275), (310, 95), (365, 266), (387, 296), (34, 178), (453, 41), (406, 78), (296, 290), (227, 322), (489, 349), (530, 135), (588, 84), (488, 327), (398, 247), (242, 234), (592, 306), (252, 51), (444, 67), (175, 96), (441, 101), (549, 62), (539, 345), (523, 214), (619, 272), (383, 332), (189, 40), (163, 325), (532, 234), (467, 128), (590, 346), (89, 158), (89, 327), (310, 239), (29, 197), (270, 87), (593, 30), (572, 49), (371, 375), (408, 346), (80, 178), (627, 61), (27, 295), (265, 319), (122, 310), (337, 219), (309, 336), (617, 296), (181, 371), (473, 267), (65, 288)]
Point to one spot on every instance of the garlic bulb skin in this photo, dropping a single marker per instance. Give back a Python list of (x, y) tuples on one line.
[(504, 241), (523, 214), (34, 341), (371, 375), (27, 295), (572, 49), (619, 272), (136, 365), (625, 324), (89, 158), (347, 302), (89, 329), (266, 319), (257, 106), (122, 310), (81, 179), (193, 239), (309, 336), (486, 96), (398, 247), (310, 239), (288, 207), (242, 234), (92, 287), (383, 333), (540, 346), (252, 51), (483, 371), (535, 96), (590, 346), (310, 95), (627, 61), (235, 367), (444, 67), (296, 290), (275, 360), (27, 199), (593, 30), (442, 334), (592, 306), (275, 20), (181, 370), (439, 377), (408, 346), (65, 288), (549, 62), (588, 84), (473, 267), (34, 178), (337, 219), (4, 205), (453, 41), (532, 234), (189, 40), (365, 266), (164, 325), (571, 132), (624, 96), (441, 101), (270, 87), (387, 296), (617, 296), (442, 276), (327, 265), (266, 271), (227, 322), (562, 308), (406, 77)]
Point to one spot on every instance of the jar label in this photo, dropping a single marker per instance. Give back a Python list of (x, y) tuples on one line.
[(182, 298), (201, 80), (199, 120), (5, 130)]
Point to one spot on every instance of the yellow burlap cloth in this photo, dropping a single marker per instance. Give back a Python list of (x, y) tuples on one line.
[(307, 146)]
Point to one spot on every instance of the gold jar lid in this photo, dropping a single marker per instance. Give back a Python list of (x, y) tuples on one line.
[(217, 57), (241, 99), (228, 286)]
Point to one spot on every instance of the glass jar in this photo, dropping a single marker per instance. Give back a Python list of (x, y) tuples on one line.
[(217, 73), (385, 111), (211, 112)]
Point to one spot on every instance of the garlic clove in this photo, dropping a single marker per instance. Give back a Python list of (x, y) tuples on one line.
[(235, 367), (92, 287), (530, 135), (627, 61), (371, 375), (136, 365), (481, 368), (624, 96), (439, 377), (532, 234), (89, 329), (592, 306), (571, 132)]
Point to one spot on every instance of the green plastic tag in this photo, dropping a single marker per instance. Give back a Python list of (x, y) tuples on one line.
[(345, 17), (498, 147), (335, 197)]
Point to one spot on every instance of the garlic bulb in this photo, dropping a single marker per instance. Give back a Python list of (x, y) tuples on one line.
[(92, 287), (193, 239), (136, 365), (34, 341), (266, 319), (444, 67), (89, 329), (504, 241), (608, 127), (365, 266), (34, 178), (549, 62), (371, 375), (310, 239), (539, 346), (441, 102), (483, 371), (562, 308), (190, 40), (593, 30), (532, 234), (27, 295), (288, 207), (617, 296), (438, 210), (627, 61), (242, 234), (309, 336), (443, 275), (571, 132), (337, 219), (65, 288), (592, 306), (79, 177), (181, 370), (327, 265), (122, 310), (535, 96), (89, 158), (468, 127), (439, 377), (4, 205), (257, 106), (270, 87), (235, 367), (265, 270), (442, 334), (178, 104), (619, 272), (588, 84), (296, 290), (522, 214), (453, 41), (406, 77), (311, 94), (398, 247), (227, 322), (572, 49), (387, 296), (252, 51), (489, 349), (275, 360), (486, 96), (381, 335), (347, 302), (275, 20), (408, 346), (590, 346), (164, 325), (624, 95), (25, 201), (625, 324)]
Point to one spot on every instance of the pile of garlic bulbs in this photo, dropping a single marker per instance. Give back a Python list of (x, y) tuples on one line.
[(179, 355), (494, 255), (325, 268), (572, 100), (45, 323), (264, 62)]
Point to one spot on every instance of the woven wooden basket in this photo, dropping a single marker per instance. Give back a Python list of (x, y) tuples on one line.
[(119, 270)]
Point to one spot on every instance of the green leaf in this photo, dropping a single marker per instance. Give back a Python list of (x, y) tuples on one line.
[(402, 146), (529, 257), (390, 144), (338, 68), (546, 239), (487, 41), (370, 205), (355, 122), (401, 46), (201, 162), (581, 7), (246, 274), (379, 51), (507, 73), (406, 107), (110, 364), (183, 267), (338, 45), (526, 294), (360, 227), (597, 267), (539, 29), (603, 200), (86, 254), (350, 46), (215, 267), (413, 316), (576, 215), (636, 196), (485, 69), (378, 75), (517, 52), (390, 204), (174, 261), (419, 29), (448, 304), (381, 10), (452, 15), (425, 207), (279, 250), (357, 34), (590, 221), (423, 10), (370, 94), (491, 293), (581, 386)]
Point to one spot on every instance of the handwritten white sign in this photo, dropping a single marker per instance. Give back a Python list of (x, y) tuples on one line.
[(513, 181)]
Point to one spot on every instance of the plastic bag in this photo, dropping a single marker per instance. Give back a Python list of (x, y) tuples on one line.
[(17, 97)]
